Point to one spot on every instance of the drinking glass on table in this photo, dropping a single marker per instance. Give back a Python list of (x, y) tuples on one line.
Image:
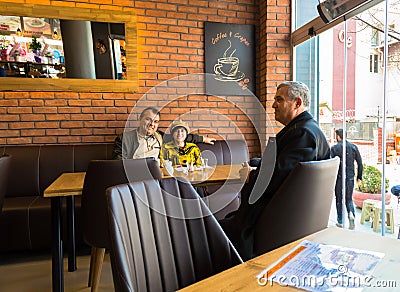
[(168, 166), (204, 163)]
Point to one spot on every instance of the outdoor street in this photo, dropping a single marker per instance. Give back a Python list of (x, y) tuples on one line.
[(392, 172)]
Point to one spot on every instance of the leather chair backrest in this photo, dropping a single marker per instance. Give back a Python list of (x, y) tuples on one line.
[(56, 159), (100, 175), (225, 152), (163, 237), (301, 205), (5, 161)]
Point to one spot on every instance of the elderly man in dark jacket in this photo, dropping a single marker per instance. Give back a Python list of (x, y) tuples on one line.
[(300, 140), (352, 155)]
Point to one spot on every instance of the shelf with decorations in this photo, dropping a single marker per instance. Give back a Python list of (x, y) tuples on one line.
[(31, 70)]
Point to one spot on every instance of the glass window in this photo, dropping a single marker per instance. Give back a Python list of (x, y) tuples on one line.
[(306, 10), (374, 37), (355, 85), (373, 63)]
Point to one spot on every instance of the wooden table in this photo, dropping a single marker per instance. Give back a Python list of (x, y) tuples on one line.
[(69, 185), (216, 175), (66, 185), (243, 277)]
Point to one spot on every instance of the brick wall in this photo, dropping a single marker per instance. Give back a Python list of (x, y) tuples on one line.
[(276, 52), (170, 44)]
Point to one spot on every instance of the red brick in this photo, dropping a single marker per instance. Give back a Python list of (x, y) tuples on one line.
[(57, 102), (44, 110), (16, 141), (42, 95), (104, 131), (81, 117), (69, 110), (19, 110), (17, 95), (93, 139), (104, 117), (32, 117), (30, 102), (69, 139), (11, 102), (47, 125), (90, 95), (81, 131), (44, 140), (83, 103), (20, 125), (9, 133), (58, 117), (57, 132), (116, 124), (103, 103), (93, 124), (92, 110), (32, 132), (74, 124)]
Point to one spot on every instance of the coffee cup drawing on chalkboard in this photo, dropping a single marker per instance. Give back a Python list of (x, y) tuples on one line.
[(227, 67)]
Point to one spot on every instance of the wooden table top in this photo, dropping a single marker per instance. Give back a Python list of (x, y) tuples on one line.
[(213, 175), (71, 183), (243, 277), (67, 184)]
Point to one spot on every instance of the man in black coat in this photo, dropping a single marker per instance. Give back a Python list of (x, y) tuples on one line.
[(352, 155), (300, 140)]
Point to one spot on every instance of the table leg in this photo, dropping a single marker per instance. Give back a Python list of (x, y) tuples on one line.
[(57, 249), (71, 233)]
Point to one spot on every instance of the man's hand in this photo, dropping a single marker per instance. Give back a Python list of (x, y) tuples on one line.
[(245, 171), (208, 140)]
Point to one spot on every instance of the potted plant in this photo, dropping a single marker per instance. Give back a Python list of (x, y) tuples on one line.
[(36, 46), (370, 187)]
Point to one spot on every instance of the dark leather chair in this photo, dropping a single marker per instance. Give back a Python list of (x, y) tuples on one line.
[(164, 237), (301, 205), (227, 196), (100, 175), (5, 161)]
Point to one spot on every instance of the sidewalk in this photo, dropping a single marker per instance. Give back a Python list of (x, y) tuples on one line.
[(392, 172)]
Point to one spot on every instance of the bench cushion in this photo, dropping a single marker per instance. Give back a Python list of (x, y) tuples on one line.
[(25, 221)]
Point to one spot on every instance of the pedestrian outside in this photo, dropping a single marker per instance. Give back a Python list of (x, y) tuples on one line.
[(352, 155)]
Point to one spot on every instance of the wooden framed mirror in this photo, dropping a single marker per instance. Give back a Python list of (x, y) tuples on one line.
[(115, 17)]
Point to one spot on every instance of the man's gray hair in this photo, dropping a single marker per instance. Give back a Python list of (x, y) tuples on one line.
[(297, 89)]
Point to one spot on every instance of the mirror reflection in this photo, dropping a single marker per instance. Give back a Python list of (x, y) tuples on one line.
[(53, 48)]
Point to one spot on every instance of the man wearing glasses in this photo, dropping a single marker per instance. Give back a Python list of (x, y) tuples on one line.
[(146, 140)]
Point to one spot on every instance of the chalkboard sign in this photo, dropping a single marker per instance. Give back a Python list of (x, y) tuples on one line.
[(229, 58)]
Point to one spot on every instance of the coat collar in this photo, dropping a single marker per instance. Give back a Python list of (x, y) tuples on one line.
[(304, 116)]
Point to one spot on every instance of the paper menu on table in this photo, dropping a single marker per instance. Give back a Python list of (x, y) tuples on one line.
[(320, 267)]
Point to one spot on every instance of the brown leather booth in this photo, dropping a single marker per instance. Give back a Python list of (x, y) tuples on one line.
[(25, 221)]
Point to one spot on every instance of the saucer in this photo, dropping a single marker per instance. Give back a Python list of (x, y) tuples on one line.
[(239, 76)]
